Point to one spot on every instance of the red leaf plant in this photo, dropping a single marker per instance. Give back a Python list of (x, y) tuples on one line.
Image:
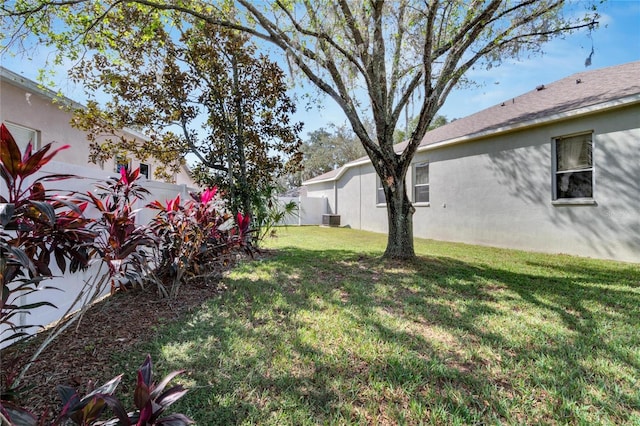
[(194, 235), (34, 224)]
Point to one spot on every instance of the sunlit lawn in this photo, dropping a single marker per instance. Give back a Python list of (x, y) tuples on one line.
[(325, 332)]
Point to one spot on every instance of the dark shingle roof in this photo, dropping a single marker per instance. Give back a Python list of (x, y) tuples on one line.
[(571, 93), (540, 105)]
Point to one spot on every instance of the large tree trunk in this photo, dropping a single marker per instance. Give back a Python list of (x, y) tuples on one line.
[(400, 217)]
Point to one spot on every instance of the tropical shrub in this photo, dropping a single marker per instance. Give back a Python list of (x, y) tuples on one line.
[(194, 235), (123, 246), (34, 225), (150, 399), (269, 212)]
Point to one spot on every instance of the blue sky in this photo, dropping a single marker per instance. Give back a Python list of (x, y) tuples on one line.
[(617, 41)]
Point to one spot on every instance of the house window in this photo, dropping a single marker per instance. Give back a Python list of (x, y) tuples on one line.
[(380, 198), (573, 168), (144, 170), (23, 135), (120, 162), (421, 183)]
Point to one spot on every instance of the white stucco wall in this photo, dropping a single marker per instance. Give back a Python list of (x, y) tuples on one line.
[(498, 192), (69, 285), (31, 109)]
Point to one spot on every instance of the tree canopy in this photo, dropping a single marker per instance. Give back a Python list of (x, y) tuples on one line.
[(401, 134), (371, 57), (328, 148), (194, 89)]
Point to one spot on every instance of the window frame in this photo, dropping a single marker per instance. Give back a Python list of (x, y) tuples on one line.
[(417, 185), (380, 190), (36, 133), (556, 199), (146, 175), (121, 160)]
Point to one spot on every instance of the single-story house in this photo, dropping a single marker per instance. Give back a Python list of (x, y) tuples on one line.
[(33, 113), (556, 170)]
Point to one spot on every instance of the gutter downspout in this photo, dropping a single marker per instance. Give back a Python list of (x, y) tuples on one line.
[(335, 196), (360, 198)]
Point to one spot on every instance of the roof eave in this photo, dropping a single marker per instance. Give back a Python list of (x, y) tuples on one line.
[(591, 109), (22, 82), (342, 170)]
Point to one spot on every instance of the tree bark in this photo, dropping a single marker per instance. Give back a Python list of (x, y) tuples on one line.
[(400, 219), (244, 190)]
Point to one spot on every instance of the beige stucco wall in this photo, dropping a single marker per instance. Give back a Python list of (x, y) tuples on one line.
[(31, 109), (498, 192)]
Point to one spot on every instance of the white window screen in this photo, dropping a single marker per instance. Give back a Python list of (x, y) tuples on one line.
[(421, 183), (574, 167), (23, 135), (380, 198)]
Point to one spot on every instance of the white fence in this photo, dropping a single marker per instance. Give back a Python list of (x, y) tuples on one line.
[(310, 210), (70, 285)]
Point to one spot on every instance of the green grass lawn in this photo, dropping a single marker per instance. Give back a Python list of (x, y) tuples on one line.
[(325, 332)]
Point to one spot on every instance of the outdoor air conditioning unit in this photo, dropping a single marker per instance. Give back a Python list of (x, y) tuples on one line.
[(330, 220)]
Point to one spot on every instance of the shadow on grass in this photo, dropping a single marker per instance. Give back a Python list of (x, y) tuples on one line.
[(335, 336)]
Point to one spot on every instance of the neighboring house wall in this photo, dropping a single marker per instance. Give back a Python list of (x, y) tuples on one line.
[(33, 110), (24, 104), (497, 191)]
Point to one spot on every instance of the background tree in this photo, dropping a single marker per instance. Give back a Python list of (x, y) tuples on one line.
[(371, 57), (193, 89), (327, 149), (400, 135)]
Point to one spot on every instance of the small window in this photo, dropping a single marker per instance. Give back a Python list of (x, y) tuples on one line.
[(144, 170), (120, 162), (380, 198), (421, 183), (23, 135), (573, 168)]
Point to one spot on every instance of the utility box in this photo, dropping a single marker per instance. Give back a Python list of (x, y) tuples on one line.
[(330, 220)]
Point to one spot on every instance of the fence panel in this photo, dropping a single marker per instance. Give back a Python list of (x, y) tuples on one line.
[(70, 285), (310, 210)]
